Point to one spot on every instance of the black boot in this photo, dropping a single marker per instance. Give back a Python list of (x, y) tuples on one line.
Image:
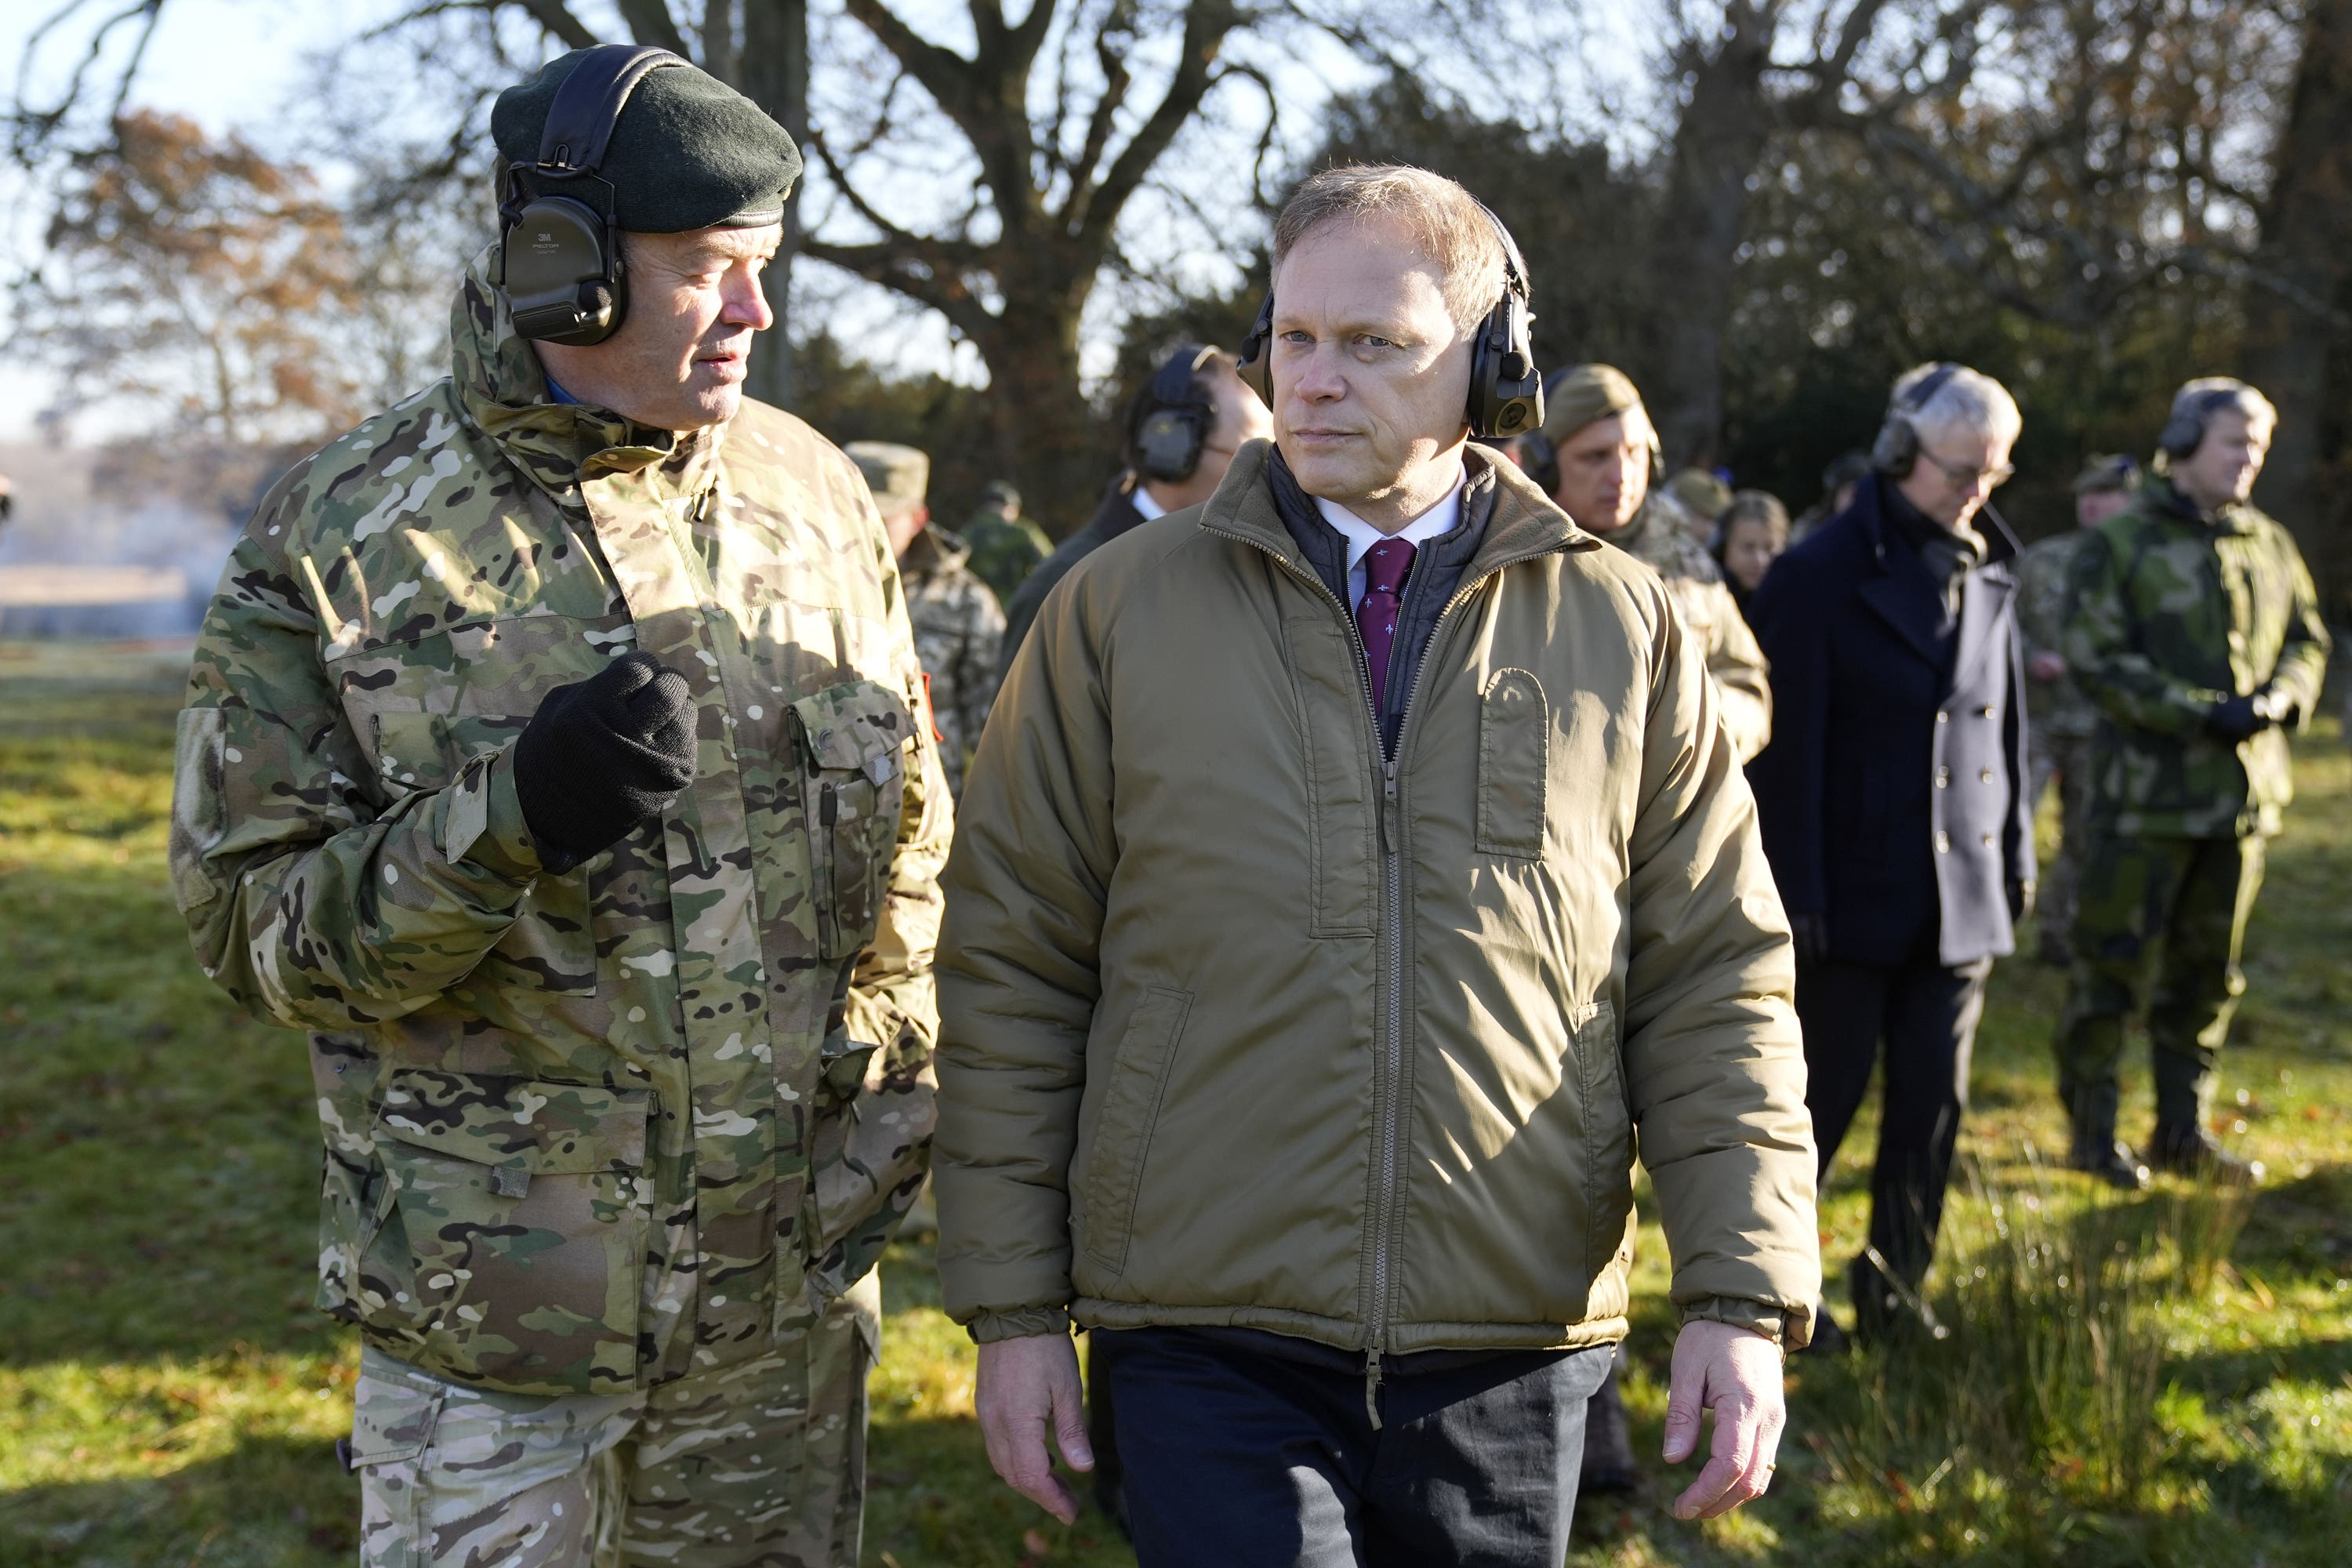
[(1609, 1464), (2190, 1151), (2110, 1161)]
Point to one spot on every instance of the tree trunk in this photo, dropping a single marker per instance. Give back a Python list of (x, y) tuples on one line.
[(1046, 433), (1722, 134), (775, 67), (2292, 349)]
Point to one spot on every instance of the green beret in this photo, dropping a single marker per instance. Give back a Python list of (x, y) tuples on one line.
[(689, 152), (898, 476), (1706, 496), (2108, 472), (1587, 394)]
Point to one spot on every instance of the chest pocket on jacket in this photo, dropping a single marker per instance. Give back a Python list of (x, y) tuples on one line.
[(852, 742), (1514, 743), (551, 947)]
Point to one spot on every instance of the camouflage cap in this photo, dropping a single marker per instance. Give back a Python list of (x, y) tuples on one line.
[(688, 152), (1703, 494), (1587, 393), (2107, 471), (898, 476)]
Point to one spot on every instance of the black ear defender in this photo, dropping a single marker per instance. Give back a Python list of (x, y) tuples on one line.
[(2185, 431), (1171, 425), (1505, 391), (558, 252), (1897, 451)]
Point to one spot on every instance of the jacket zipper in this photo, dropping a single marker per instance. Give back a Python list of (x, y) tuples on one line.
[(1392, 924)]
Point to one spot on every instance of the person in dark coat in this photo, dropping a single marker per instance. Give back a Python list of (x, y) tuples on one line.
[(1893, 795), (1182, 430)]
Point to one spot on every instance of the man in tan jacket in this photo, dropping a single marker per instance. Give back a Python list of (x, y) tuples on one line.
[(1353, 867)]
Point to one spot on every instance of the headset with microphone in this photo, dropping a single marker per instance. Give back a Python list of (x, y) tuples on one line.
[(560, 252), (1505, 391), (1169, 428)]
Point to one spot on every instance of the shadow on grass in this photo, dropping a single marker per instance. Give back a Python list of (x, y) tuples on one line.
[(270, 1503)]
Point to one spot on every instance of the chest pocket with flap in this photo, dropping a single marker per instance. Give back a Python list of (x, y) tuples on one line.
[(551, 947), (852, 740)]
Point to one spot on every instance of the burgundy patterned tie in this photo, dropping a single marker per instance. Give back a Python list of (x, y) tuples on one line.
[(1385, 567)]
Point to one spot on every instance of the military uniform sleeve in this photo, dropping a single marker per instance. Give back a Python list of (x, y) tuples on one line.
[(983, 647), (1714, 1065), (315, 899), (2128, 686), (1742, 678), (1028, 886), (2303, 656)]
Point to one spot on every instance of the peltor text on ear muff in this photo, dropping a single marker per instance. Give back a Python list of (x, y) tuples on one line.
[(559, 253)]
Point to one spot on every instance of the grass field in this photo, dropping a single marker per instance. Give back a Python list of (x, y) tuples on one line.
[(167, 1396)]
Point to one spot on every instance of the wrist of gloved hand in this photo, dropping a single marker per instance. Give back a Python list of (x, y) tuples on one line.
[(601, 756)]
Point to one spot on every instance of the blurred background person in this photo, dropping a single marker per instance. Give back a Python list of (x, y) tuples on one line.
[(2059, 717), (2193, 625), (957, 626), (1701, 497), (1839, 482), (1749, 536), (1005, 546), (1182, 432), (1893, 798)]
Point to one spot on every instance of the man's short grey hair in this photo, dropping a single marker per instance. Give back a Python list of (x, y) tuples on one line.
[(1969, 403), (2210, 394), (1447, 223)]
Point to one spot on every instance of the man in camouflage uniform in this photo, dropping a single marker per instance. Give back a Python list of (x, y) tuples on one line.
[(1005, 546), (959, 629), (2194, 626), (551, 754), (1602, 450), (2060, 718)]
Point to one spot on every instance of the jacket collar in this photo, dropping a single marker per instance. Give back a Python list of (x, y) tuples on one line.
[(1903, 595), (1524, 523), (2163, 498), (557, 446)]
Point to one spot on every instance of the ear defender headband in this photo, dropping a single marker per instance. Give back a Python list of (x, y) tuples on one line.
[(1506, 392), (2185, 431), (1170, 426), (1897, 451), (559, 256)]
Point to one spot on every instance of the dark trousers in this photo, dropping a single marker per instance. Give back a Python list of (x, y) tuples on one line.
[(1240, 1453), (1923, 1018)]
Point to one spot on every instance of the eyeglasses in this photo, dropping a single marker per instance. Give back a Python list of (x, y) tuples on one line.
[(1967, 477)]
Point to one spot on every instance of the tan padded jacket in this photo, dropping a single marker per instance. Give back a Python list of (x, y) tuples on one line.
[(1242, 1025)]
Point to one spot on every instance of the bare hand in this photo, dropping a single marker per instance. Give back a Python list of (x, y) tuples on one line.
[(1024, 1388), (1736, 1374), (2046, 667)]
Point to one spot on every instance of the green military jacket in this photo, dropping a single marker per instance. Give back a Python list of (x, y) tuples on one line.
[(1743, 676), (2170, 611), (1004, 552), (594, 1130), (960, 633), (2054, 706)]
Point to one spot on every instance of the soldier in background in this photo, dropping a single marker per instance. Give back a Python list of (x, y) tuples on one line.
[(2193, 625), (957, 627), (1597, 455), (1182, 430), (2059, 717), (1701, 497), (1005, 546), (1839, 482)]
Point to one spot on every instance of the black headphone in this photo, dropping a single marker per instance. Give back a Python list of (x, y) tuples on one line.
[(2185, 431), (1169, 424), (1506, 392), (559, 256), (1897, 451)]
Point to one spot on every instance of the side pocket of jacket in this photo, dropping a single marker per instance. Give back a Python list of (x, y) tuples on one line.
[(199, 803), (1123, 1134), (1608, 1139), (1514, 739)]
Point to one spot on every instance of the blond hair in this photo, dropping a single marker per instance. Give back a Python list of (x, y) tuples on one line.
[(1447, 225)]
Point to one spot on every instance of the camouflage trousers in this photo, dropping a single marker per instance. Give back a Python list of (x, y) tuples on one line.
[(2067, 759), (2193, 896), (758, 1463)]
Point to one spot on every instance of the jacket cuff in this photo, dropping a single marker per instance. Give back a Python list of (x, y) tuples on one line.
[(1018, 1325), (1790, 1330), (485, 824)]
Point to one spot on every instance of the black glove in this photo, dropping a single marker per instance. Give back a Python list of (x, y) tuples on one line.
[(1811, 934), (2020, 900), (2236, 718), (602, 756)]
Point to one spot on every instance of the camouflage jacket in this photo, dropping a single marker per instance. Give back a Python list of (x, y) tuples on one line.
[(590, 1132), (2054, 706), (1005, 553), (2169, 613), (959, 631), (1742, 677)]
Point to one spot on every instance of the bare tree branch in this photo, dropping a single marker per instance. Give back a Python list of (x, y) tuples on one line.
[(650, 23), (557, 19)]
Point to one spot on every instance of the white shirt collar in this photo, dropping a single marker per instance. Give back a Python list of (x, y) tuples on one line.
[(1140, 499), (1440, 519)]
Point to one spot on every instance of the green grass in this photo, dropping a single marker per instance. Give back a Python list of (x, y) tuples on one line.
[(167, 1396)]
